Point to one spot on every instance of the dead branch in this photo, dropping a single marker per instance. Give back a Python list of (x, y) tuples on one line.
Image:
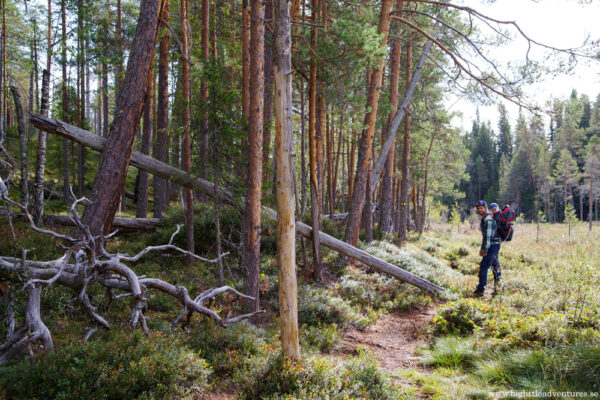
[(80, 267)]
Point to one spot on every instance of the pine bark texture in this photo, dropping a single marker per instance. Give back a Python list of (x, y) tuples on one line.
[(112, 169), (142, 198), (80, 99), (186, 144), (366, 141), (65, 102), (246, 58), (40, 163), (313, 146), (203, 159), (162, 115), (255, 137), (386, 207), (268, 100), (284, 140), (404, 184)]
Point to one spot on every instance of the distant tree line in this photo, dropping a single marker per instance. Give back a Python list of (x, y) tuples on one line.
[(536, 169)]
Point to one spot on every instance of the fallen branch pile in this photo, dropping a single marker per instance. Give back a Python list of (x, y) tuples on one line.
[(86, 262)]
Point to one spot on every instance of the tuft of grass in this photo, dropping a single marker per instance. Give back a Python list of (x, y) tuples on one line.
[(574, 367), (452, 351)]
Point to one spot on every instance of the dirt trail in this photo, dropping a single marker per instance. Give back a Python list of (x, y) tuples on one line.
[(394, 338)]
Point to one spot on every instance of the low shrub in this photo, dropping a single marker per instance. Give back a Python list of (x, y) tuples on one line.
[(227, 349), (133, 366), (460, 317), (275, 377), (324, 338), (318, 306)]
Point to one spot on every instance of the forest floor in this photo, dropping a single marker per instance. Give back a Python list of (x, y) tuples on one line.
[(362, 334), (393, 339)]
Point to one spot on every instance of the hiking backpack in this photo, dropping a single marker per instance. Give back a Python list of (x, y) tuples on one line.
[(505, 228)]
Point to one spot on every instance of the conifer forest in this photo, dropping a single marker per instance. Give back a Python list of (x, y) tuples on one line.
[(299, 199)]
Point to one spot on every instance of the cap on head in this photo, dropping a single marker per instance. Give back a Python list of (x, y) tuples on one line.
[(481, 203), (493, 206)]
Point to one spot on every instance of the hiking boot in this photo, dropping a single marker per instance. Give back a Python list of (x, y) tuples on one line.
[(478, 293)]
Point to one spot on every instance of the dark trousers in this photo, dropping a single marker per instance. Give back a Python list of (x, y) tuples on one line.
[(489, 260)]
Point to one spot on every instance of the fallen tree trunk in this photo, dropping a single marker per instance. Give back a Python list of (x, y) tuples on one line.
[(180, 177), (122, 224)]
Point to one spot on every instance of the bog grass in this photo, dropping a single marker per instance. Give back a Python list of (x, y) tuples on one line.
[(542, 332)]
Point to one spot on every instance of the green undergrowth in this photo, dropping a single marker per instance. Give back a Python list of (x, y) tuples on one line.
[(124, 364), (275, 377), (131, 366), (541, 332)]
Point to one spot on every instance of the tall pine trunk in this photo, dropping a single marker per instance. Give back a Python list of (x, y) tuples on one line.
[(204, 88), (313, 146), (40, 166), (268, 98), (245, 58), (162, 115), (142, 197), (65, 103), (284, 140), (112, 169), (186, 143), (255, 137), (404, 184), (386, 207), (366, 140)]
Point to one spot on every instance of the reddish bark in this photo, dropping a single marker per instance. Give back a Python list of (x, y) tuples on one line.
[(268, 100), (366, 141), (386, 184), (162, 116), (112, 169), (286, 238), (142, 198), (186, 144), (313, 146), (245, 58), (255, 137), (404, 184)]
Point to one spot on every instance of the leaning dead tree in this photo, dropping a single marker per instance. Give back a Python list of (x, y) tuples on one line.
[(86, 262), (178, 176)]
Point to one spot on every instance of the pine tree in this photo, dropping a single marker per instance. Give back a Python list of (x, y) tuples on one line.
[(592, 174), (570, 217), (505, 144), (566, 174)]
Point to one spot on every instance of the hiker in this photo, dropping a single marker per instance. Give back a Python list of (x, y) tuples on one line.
[(495, 211), (490, 245)]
